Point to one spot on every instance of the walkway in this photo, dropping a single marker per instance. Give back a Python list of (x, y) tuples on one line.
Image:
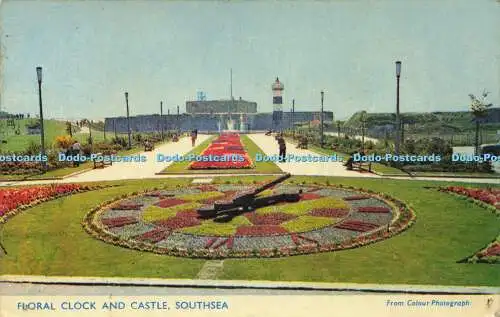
[(127, 170), (270, 147)]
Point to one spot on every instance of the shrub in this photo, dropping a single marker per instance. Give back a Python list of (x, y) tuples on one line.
[(63, 141)]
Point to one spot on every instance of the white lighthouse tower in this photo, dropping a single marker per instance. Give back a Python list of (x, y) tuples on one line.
[(277, 88)]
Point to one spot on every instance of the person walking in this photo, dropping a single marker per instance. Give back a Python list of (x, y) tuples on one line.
[(194, 135), (282, 147), (76, 149)]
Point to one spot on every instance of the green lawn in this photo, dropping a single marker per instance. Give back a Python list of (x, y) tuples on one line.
[(53, 129), (48, 239), (251, 148)]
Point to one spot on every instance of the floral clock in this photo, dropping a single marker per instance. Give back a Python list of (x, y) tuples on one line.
[(326, 218)]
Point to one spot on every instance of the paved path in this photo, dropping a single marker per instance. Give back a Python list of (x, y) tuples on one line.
[(270, 147), (139, 170), (127, 170)]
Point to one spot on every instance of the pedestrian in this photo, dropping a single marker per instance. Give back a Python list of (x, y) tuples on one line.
[(282, 147), (76, 149), (194, 135)]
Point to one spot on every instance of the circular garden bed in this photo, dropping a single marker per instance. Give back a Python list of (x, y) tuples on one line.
[(326, 218)]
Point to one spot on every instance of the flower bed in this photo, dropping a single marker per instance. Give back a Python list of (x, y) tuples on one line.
[(358, 197), (308, 223), (165, 203), (181, 220), (330, 212), (381, 210), (264, 230), (489, 196), (119, 222), (228, 148), (269, 219), (14, 200), (357, 226), (154, 235), (319, 223)]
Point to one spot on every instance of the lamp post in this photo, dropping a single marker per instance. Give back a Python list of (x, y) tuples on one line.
[(293, 116), (128, 122), (161, 118), (168, 118), (91, 141), (178, 125), (398, 124), (39, 77), (321, 119)]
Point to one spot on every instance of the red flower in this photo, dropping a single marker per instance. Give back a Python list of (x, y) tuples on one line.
[(12, 198), (227, 146)]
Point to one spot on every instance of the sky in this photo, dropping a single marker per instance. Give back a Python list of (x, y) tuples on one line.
[(93, 51)]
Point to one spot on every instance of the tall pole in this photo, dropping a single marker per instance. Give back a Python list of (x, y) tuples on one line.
[(89, 123), (161, 118), (321, 120), (128, 122), (168, 118), (114, 128), (42, 137), (398, 124), (293, 115), (232, 98)]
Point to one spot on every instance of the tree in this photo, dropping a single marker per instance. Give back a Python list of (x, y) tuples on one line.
[(363, 127), (69, 129), (479, 108)]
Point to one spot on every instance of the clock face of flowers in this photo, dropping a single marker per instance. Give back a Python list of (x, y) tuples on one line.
[(324, 219)]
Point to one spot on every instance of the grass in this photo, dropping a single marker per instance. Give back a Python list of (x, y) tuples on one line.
[(251, 148), (48, 239), (53, 129)]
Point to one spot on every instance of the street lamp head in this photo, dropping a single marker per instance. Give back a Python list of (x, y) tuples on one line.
[(39, 74), (398, 68), (126, 94)]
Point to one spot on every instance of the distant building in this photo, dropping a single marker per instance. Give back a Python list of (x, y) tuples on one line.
[(220, 106)]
